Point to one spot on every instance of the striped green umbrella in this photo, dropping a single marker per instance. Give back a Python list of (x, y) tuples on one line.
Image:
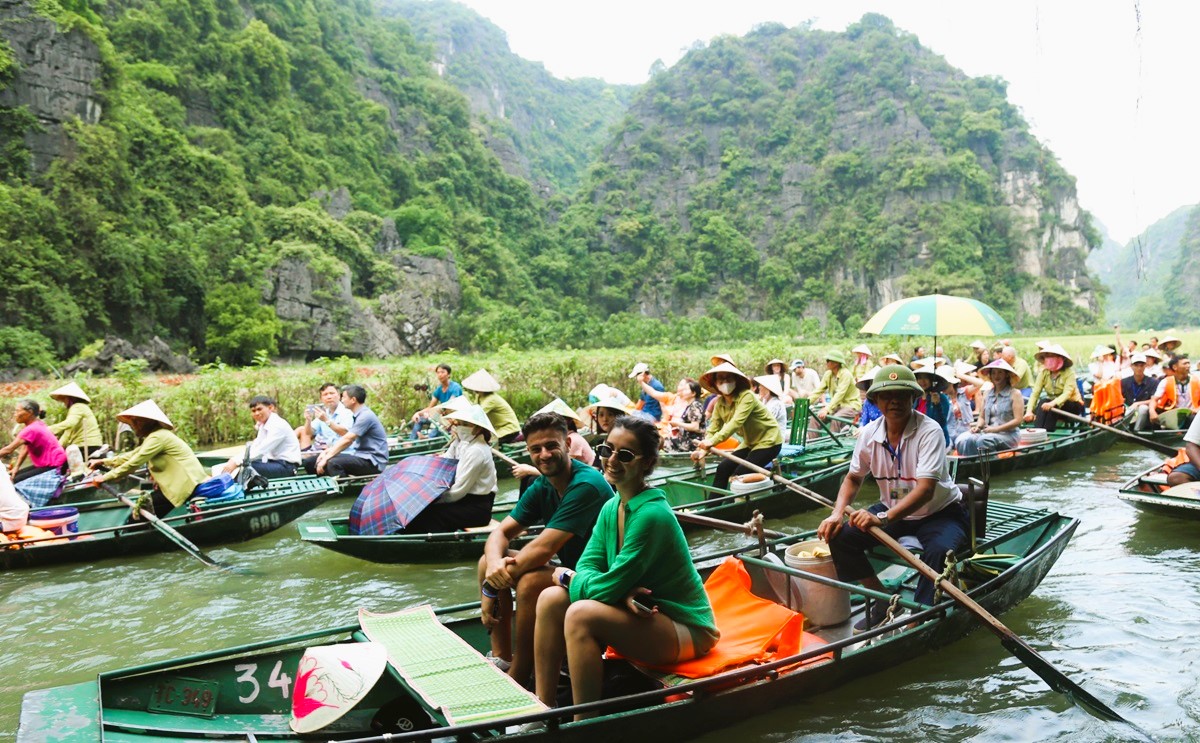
[(936, 315)]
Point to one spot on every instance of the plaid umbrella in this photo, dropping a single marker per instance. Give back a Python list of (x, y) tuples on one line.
[(399, 493)]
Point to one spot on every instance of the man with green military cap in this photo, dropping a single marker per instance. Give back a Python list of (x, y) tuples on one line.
[(843, 395), (906, 454)]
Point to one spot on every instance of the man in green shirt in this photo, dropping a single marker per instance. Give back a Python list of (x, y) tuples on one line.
[(567, 498), (843, 395)]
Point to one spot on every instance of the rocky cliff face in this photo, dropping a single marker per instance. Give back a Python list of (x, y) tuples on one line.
[(55, 80)]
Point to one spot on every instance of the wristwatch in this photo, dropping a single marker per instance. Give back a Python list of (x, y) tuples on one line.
[(564, 579), (883, 518)]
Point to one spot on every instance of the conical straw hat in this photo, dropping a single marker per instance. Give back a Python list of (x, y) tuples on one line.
[(707, 377), (481, 381), (474, 415), (71, 390), (558, 406), (147, 409), (331, 680), (721, 358), (771, 382), (458, 402), (862, 348)]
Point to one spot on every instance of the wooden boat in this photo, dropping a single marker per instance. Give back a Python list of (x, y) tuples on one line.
[(245, 693), (105, 530), (398, 449), (1149, 490), (1061, 445)]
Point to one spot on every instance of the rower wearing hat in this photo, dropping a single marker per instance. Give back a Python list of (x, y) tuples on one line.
[(468, 501), (1169, 344), (905, 452), (483, 388), (79, 427), (737, 410), (843, 397), (778, 368), (172, 463), (1057, 383)]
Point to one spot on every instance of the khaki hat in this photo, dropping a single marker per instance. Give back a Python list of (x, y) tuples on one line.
[(708, 378), (148, 410), (864, 382), (835, 356), (481, 381), (781, 362), (771, 382), (928, 368), (1169, 343), (862, 348), (639, 369), (71, 390), (892, 357), (474, 415), (979, 345), (1002, 364), (1041, 345), (1153, 353), (721, 358), (1102, 350), (894, 378), (558, 406), (1056, 350)]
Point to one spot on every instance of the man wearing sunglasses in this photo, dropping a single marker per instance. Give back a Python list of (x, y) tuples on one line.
[(566, 497)]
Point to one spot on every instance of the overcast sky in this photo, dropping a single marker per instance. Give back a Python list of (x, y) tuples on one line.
[(1108, 86)]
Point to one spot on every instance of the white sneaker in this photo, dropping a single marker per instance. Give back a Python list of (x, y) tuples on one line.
[(500, 663)]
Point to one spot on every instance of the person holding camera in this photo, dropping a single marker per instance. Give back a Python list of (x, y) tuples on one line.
[(325, 423), (423, 426)]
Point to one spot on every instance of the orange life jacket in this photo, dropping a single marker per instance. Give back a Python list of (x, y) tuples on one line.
[(1175, 461), (1108, 403), (1171, 395)]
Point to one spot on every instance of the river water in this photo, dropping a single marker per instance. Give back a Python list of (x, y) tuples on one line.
[(1119, 614)]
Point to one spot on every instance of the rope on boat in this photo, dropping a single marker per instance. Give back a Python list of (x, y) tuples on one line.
[(950, 573)]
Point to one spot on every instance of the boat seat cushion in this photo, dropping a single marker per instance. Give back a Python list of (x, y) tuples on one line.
[(448, 676)]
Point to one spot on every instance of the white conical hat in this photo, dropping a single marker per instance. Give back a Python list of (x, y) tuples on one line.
[(71, 390), (481, 381), (331, 679), (862, 348), (558, 406), (1169, 340), (864, 382), (458, 402), (474, 415), (147, 409), (1102, 350), (771, 382)]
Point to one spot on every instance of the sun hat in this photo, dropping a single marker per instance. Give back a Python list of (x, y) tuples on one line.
[(864, 382), (605, 393), (891, 378), (892, 357), (940, 360), (1002, 364), (771, 382), (332, 679), (147, 409), (979, 345), (558, 406), (1056, 350), (1042, 345), (1169, 343), (481, 381), (638, 369), (1151, 352), (1102, 350), (1137, 358), (963, 367), (71, 390), (928, 368), (720, 358), (862, 348), (458, 402), (947, 373), (767, 368), (474, 415), (835, 356), (708, 378)]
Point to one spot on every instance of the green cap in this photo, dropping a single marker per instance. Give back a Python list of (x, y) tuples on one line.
[(894, 377), (835, 356)]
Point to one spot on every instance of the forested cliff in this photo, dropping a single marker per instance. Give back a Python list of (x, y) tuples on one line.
[(333, 177)]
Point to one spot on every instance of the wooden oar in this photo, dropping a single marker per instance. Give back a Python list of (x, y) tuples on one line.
[(1156, 446), (1011, 642), (501, 455), (721, 525), (167, 531)]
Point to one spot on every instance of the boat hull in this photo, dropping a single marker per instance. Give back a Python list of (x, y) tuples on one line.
[(1077, 444)]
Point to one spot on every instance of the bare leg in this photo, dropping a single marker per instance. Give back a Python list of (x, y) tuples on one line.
[(529, 587), (548, 642), (1178, 478), (501, 632)]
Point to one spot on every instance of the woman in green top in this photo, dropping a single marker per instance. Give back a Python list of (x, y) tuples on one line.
[(634, 588), (482, 388), (1056, 381), (79, 427), (738, 410), (172, 463)]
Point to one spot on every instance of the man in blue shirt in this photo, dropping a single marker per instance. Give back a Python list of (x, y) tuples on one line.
[(1138, 389), (372, 454), (423, 420), (647, 404)]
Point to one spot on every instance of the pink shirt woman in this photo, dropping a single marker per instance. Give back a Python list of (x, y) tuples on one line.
[(43, 447)]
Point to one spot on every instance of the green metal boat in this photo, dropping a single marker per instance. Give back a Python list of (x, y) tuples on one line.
[(105, 531), (1061, 445), (246, 693), (1149, 491)]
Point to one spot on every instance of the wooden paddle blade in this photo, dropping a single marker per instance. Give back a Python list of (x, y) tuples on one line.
[(167, 531)]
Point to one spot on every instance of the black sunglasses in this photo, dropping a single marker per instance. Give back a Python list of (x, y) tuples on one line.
[(623, 455)]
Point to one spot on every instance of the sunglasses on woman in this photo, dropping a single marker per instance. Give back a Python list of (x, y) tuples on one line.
[(623, 455)]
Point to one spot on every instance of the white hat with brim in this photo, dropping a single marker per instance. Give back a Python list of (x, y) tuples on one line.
[(929, 369), (864, 382), (708, 378), (458, 402), (612, 403), (638, 370), (1013, 376), (1153, 353), (962, 367), (1101, 351), (558, 406), (1137, 358), (720, 358), (71, 390), (1042, 345), (1056, 350), (772, 362), (148, 410), (481, 381), (979, 345), (771, 382), (475, 415), (1169, 340), (947, 373), (862, 348), (891, 357), (332, 679)]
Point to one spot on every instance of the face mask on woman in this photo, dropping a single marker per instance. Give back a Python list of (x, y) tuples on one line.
[(726, 388), (1053, 363), (466, 433)]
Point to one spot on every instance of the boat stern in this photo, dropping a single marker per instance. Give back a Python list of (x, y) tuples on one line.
[(63, 714)]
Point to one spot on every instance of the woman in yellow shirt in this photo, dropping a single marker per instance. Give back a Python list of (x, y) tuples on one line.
[(79, 427), (738, 410)]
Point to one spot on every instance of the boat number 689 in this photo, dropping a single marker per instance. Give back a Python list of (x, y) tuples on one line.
[(264, 523), (276, 680)]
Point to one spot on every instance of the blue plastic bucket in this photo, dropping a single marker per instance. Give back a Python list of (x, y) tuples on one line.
[(63, 521)]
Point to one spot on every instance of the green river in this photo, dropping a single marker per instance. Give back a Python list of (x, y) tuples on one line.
[(1117, 615)]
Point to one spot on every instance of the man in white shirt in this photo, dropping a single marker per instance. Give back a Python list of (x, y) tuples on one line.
[(14, 510), (275, 452), (327, 422), (804, 380), (905, 452)]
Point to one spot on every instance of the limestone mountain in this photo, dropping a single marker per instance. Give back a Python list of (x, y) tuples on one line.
[(542, 128), (795, 172)]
